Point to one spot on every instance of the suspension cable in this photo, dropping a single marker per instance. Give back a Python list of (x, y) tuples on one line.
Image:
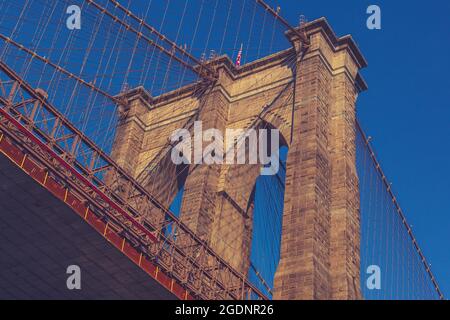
[(210, 73), (59, 68)]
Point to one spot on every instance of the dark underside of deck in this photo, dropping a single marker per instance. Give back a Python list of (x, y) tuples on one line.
[(40, 237)]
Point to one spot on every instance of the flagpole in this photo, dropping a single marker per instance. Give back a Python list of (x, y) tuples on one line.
[(239, 56)]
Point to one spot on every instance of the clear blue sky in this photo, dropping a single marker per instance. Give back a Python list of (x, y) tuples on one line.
[(407, 107)]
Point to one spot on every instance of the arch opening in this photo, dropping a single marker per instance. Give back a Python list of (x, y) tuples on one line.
[(182, 172), (267, 203)]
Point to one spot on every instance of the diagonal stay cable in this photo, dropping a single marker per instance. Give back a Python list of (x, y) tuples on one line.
[(205, 73), (59, 68), (162, 37)]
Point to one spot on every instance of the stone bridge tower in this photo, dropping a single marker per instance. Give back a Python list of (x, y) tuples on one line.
[(311, 99)]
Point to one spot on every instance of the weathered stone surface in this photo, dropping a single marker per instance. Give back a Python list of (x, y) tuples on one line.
[(312, 101)]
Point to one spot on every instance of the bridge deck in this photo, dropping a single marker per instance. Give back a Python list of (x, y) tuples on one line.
[(40, 237)]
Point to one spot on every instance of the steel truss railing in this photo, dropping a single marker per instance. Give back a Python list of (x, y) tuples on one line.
[(115, 197)]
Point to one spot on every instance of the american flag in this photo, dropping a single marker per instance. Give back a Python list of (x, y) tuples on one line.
[(239, 57)]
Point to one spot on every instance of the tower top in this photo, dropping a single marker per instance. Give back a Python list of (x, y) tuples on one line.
[(337, 43)]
